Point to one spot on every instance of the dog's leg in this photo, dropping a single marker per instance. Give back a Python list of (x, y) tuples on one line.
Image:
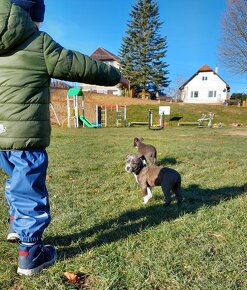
[(149, 190), (152, 159), (167, 192), (135, 177), (177, 190), (148, 195)]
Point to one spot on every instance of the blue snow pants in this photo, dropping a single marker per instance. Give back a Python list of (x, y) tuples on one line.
[(26, 191)]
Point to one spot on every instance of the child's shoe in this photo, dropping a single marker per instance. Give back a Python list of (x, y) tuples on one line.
[(32, 259), (12, 236)]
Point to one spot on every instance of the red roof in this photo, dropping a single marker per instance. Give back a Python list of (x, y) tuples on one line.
[(104, 55), (205, 67)]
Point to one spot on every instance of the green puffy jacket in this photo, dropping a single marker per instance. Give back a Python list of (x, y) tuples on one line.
[(28, 59)]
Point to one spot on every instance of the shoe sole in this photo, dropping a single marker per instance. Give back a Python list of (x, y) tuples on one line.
[(29, 272), (13, 238)]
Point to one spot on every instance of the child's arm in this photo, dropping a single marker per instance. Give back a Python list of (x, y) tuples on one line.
[(74, 66)]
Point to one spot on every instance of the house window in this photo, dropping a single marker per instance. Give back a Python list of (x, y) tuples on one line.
[(212, 94), (204, 78), (194, 94)]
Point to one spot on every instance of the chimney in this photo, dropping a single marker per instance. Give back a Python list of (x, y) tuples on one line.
[(216, 69)]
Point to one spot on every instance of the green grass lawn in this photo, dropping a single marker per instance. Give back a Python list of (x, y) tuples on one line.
[(101, 228)]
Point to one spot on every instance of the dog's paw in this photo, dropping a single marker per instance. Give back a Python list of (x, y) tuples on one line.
[(146, 198)]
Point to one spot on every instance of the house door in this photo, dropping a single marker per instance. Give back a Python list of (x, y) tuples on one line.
[(219, 97)]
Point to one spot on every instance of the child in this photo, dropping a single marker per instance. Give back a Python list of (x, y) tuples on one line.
[(28, 60)]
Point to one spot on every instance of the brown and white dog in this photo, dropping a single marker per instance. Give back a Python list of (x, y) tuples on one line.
[(145, 151), (150, 176)]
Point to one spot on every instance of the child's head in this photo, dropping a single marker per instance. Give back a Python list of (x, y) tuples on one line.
[(35, 8)]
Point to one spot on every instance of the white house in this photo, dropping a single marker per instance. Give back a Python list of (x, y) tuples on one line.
[(205, 87), (109, 58)]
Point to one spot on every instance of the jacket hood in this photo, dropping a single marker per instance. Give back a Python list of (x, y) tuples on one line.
[(15, 26)]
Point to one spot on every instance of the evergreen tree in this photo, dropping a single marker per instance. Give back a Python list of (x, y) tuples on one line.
[(143, 48)]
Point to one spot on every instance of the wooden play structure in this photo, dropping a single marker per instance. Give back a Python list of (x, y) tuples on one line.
[(201, 121), (163, 111), (160, 114), (150, 121), (111, 116), (73, 98), (75, 109), (208, 119), (55, 114)]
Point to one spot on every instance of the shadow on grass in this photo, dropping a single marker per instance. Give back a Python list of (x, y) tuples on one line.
[(167, 161), (134, 221)]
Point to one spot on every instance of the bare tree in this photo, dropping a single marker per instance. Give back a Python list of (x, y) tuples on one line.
[(173, 90), (233, 44)]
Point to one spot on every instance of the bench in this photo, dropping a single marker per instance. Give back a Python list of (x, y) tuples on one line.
[(188, 123), (137, 123)]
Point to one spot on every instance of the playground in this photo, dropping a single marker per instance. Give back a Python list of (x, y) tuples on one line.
[(58, 99), (137, 110)]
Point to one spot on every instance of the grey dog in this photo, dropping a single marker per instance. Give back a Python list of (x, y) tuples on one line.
[(150, 176), (145, 151)]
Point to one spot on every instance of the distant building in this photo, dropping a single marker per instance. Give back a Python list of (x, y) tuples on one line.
[(205, 87), (109, 58)]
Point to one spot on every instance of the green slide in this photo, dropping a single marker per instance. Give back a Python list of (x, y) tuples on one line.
[(86, 122)]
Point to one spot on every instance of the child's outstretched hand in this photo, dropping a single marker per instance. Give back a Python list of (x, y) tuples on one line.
[(124, 82)]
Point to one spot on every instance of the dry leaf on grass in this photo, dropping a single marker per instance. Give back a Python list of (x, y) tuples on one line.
[(78, 278), (72, 277)]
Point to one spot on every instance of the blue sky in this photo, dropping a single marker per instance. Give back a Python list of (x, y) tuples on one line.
[(192, 28)]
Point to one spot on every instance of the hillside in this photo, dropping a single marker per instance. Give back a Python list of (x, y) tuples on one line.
[(137, 109)]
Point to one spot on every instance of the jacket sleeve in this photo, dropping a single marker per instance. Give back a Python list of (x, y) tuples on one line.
[(76, 67)]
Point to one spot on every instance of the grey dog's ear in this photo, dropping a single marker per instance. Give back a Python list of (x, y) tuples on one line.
[(141, 139)]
